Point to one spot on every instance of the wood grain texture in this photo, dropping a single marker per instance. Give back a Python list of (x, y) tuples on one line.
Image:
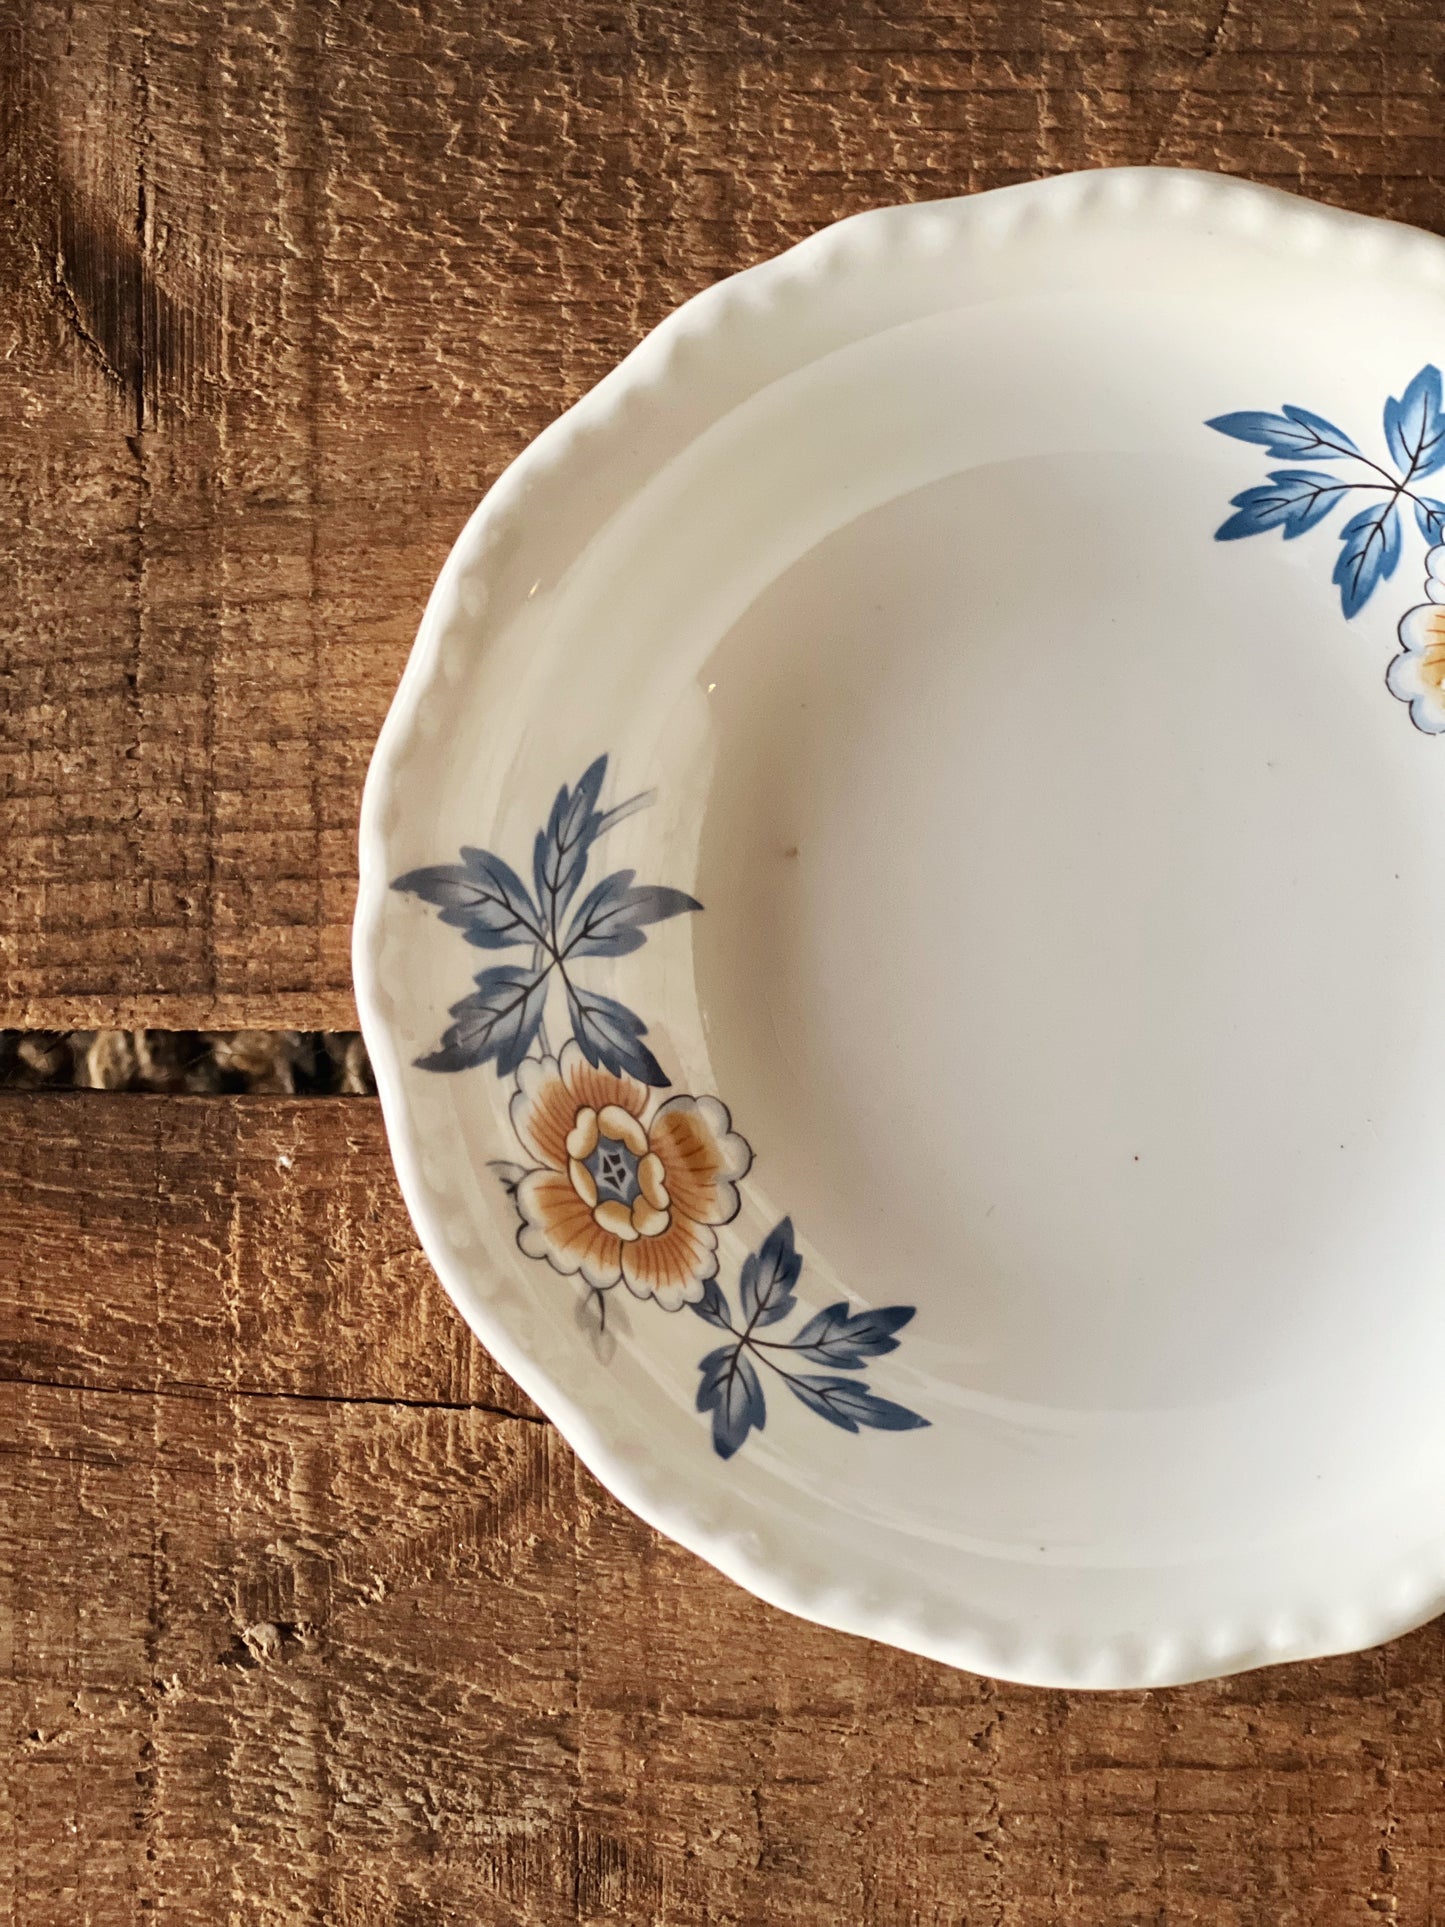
[(306, 1616), (285, 284), (251, 1246)]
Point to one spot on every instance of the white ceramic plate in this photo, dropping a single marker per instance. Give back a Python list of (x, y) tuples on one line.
[(1009, 1218)]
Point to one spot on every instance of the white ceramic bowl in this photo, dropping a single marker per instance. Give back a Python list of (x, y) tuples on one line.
[(1008, 1218)]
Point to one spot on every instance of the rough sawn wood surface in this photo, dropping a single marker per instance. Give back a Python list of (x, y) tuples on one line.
[(306, 1616)]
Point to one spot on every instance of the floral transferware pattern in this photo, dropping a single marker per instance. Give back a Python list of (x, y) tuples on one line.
[(1294, 500), (623, 1186)]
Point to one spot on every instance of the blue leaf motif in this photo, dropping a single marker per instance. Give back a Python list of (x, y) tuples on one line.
[(768, 1277), (731, 1392), (1293, 434), (713, 1367), (845, 1340), (837, 1337), (481, 896), (712, 1306), (500, 1019), (559, 856), (609, 921), (611, 1035), (1430, 516), (1371, 548), (1415, 425), (849, 1404), (1292, 500)]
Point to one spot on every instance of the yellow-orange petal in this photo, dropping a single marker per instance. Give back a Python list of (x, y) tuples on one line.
[(1423, 627), (653, 1181), (556, 1225), (543, 1111), (647, 1220), (623, 1128), (674, 1297), (702, 1157), (614, 1217), (675, 1263), (590, 1084), (583, 1182), (582, 1138)]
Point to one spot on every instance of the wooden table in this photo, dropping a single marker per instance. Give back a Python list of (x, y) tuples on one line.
[(305, 1615)]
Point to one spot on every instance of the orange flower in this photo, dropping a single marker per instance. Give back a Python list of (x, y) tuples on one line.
[(619, 1195), (1417, 674)]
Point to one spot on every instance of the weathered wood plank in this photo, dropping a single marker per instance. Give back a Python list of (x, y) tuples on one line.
[(273, 1635), (285, 285), (199, 1244), (278, 1653), (366, 1663)]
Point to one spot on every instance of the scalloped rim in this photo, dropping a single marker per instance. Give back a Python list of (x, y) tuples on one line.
[(1394, 1600)]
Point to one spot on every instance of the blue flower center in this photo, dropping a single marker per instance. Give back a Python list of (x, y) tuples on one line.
[(614, 1171)]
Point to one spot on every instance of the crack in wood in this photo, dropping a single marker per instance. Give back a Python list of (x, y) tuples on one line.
[(221, 1394)]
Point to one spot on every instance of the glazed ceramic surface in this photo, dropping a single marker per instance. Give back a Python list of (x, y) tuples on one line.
[(902, 922)]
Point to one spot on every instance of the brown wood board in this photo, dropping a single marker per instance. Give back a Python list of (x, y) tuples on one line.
[(284, 286), (305, 1615)]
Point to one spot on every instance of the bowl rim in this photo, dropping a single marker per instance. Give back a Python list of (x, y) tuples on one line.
[(1398, 1599)]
